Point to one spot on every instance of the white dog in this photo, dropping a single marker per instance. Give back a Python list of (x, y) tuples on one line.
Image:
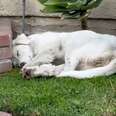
[(85, 53)]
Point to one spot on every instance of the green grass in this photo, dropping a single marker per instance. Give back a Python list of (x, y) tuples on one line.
[(57, 96)]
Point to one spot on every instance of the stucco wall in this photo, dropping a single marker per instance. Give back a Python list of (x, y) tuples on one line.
[(102, 19), (14, 8)]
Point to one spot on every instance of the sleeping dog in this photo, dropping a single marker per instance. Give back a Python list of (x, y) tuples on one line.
[(85, 54)]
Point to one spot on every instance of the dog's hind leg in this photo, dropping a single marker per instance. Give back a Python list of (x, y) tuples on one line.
[(70, 63), (90, 73)]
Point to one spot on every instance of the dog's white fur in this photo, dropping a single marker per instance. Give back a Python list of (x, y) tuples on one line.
[(92, 54)]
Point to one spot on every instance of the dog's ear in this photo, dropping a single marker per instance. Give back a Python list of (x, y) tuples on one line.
[(21, 39)]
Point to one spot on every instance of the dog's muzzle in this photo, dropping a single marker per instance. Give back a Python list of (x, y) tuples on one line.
[(22, 64)]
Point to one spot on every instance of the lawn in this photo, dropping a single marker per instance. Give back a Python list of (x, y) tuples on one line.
[(57, 96)]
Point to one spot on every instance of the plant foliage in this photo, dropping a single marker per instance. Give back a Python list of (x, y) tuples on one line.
[(70, 8)]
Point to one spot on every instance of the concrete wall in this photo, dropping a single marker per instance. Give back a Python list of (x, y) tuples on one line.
[(102, 19), (14, 8)]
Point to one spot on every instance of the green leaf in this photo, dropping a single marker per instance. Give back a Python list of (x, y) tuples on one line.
[(53, 9), (55, 3), (92, 4), (70, 8), (76, 5)]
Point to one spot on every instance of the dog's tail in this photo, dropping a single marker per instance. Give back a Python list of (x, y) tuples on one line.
[(91, 73)]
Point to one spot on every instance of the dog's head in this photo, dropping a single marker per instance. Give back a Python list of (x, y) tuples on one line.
[(22, 52)]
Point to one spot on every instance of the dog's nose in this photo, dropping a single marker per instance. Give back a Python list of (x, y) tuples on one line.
[(22, 64)]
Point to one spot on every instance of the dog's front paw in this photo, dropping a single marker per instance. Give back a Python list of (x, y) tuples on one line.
[(28, 72)]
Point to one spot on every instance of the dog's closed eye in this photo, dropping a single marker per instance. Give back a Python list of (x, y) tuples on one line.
[(18, 53)]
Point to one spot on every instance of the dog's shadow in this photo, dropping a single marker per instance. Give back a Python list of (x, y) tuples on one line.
[(39, 78)]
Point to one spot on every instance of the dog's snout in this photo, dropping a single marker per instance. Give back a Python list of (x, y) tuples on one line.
[(22, 64)]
